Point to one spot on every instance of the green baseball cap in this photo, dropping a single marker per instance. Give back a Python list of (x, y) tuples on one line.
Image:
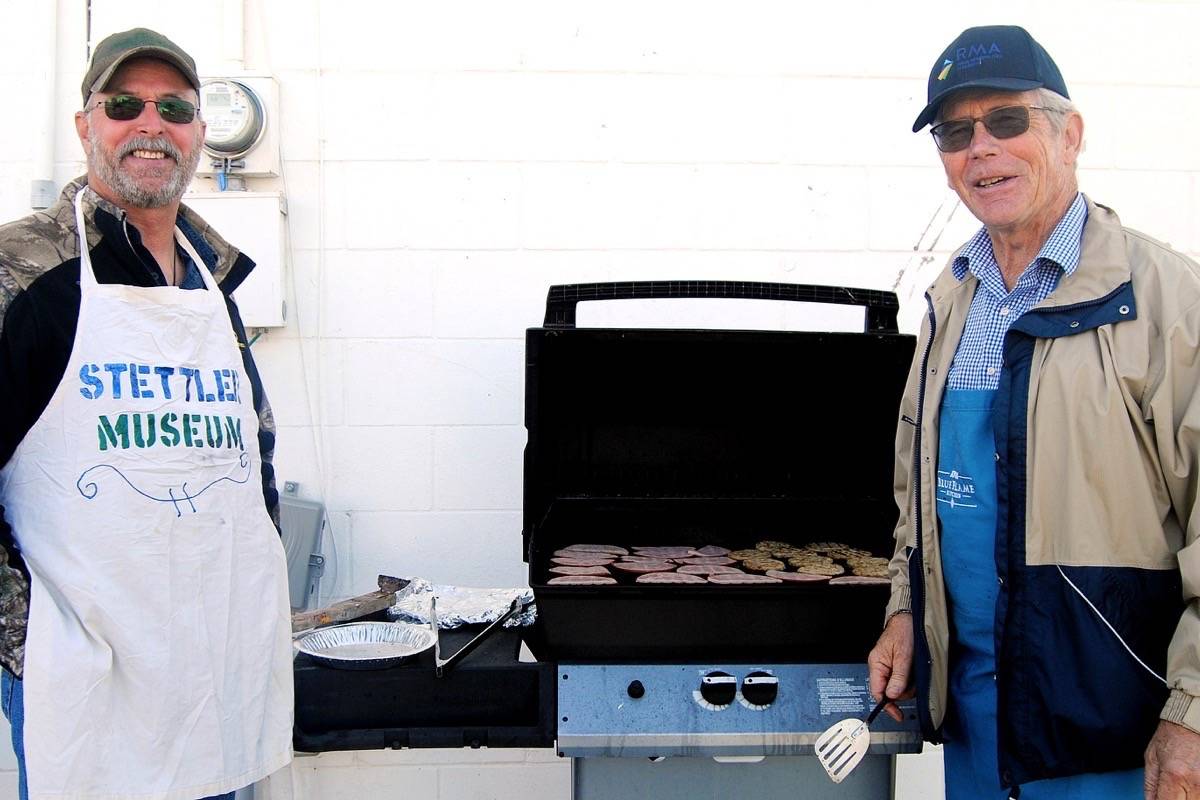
[(115, 50)]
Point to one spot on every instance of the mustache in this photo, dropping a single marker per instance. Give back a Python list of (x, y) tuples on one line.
[(161, 145)]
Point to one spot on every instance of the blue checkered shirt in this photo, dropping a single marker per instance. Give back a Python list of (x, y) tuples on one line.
[(980, 354)]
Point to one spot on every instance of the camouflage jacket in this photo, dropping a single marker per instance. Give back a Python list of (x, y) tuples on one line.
[(39, 308)]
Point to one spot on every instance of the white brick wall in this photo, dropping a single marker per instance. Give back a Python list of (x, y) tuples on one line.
[(445, 162)]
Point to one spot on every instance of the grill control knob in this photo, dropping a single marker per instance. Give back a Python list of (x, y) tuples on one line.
[(718, 688), (636, 690), (760, 688)]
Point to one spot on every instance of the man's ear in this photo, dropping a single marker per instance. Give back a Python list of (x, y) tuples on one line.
[(81, 128), (1073, 137)]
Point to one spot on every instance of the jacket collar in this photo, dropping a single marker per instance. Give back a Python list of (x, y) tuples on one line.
[(220, 256), (1103, 262), (1103, 266)]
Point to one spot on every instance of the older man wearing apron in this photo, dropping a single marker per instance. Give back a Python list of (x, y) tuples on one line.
[(157, 660), (966, 509), (1044, 602)]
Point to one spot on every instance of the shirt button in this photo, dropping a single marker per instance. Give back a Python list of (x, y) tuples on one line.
[(1003, 311), (997, 456), (991, 370), (1000, 580)]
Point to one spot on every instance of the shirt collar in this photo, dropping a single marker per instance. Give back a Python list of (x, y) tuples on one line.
[(1060, 249)]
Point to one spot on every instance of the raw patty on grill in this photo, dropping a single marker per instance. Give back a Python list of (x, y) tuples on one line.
[(743, 578), (582, 580), (715, 569), (611, 549), (712, 550), (705, 561), (579, 571), (797, 577), (859, 580), (669, 577), (641, 567), (598, 560), (665, 552)]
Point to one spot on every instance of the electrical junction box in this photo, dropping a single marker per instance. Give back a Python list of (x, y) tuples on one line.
[(242, 115), (303, 524), (255, 223)]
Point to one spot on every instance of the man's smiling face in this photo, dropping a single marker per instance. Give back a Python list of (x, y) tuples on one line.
[(1017, 184), (144, 162)]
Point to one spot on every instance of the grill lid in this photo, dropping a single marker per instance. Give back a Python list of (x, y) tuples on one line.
[(628, 415)]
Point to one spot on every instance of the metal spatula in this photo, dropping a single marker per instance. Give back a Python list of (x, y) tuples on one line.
[(842, 746)]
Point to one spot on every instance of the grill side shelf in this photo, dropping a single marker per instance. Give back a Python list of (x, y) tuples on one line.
[(881, 306)]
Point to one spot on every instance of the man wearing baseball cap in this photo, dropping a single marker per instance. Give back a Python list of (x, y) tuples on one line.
[(1045, 585), (144, 616)]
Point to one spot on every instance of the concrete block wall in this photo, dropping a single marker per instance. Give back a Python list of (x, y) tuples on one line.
[(444, 163)]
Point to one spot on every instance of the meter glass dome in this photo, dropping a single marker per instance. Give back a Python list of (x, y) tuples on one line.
[(234, 115)]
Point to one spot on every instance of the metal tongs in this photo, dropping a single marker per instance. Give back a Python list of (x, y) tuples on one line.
[(442, 666), (842, 746)]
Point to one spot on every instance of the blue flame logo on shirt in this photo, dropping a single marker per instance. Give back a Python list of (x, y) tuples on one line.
[(956, 490)]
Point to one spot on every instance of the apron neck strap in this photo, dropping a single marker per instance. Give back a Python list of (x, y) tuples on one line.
[(87, 275), (87, 278), (209, 281)]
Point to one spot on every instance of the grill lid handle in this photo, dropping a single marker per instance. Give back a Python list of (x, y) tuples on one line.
[(881, 306)]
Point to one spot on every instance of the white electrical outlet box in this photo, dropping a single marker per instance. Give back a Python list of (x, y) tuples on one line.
[(255, 223)]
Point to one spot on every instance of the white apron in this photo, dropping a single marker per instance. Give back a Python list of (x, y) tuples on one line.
[(158, 660)]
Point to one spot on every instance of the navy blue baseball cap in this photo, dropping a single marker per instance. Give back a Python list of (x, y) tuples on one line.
[(1001, 57)]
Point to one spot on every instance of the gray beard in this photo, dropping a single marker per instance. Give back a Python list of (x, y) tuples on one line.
[(107, 167)]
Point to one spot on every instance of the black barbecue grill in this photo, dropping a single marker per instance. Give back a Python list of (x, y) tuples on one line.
[(698, 437), (657, 437)]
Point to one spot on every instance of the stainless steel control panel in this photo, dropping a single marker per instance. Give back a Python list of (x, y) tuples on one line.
[(716, 710)]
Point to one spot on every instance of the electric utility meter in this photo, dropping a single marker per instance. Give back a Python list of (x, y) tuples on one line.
[(235, 117)]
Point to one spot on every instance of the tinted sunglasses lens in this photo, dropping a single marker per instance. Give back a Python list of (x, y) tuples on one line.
[(178, 111), (1005, 123), (953, 135), (123, 107)]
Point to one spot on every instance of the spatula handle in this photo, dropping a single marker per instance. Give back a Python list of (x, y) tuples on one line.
[(883, 701)]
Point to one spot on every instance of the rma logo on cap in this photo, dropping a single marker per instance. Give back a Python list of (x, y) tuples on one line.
[(946, 65), (976, 54)]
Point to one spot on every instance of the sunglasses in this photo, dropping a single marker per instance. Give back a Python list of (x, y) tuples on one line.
[(1003, 123), (124, 107)]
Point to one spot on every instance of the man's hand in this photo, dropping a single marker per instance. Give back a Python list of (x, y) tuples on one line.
[(1172, 763), (889, 665)]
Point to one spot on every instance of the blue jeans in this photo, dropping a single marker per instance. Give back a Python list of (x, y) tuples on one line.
[(12, 701)]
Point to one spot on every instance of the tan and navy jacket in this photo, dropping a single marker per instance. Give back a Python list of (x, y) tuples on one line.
[(1097, 431), (39, 309)]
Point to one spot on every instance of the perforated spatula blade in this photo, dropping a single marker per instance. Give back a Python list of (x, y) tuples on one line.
[(844, 744)]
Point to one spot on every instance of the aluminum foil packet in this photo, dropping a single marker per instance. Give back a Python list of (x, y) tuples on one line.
[(461, 605)]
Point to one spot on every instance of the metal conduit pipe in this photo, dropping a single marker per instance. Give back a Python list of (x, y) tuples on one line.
[(42, 192)]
